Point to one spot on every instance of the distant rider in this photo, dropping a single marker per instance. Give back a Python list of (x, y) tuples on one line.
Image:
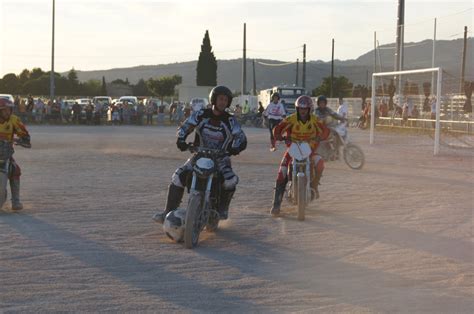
[(216, 129), (323, 112), (300, 126), (275, 112), (10, 125)]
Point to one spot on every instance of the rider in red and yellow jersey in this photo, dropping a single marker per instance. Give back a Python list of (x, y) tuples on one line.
[(300, 126), (9, 126)]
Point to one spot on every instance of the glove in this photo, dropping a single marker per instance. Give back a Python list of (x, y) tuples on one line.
[(24, 141), (182, 145), (233, 151)]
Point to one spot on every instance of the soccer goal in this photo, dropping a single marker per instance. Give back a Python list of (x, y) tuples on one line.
[(409, 100)]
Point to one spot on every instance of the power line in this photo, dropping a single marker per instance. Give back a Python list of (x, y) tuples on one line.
[(427, 20), (275, 64)]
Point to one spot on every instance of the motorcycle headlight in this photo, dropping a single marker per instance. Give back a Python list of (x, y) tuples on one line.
[(204, 167)]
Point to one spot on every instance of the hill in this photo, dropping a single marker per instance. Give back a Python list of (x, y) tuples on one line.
[(417, 55)]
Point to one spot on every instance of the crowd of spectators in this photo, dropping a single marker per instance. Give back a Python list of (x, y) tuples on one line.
[(65, 111)]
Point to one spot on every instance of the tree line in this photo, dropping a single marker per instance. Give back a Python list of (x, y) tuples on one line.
[(37, 82)]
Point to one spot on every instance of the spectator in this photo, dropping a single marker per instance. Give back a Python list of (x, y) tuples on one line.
[(16, 104), (343, 110), (383, 109), (150, 109), (66, 111), (187, 111), (89, 112), (56, 112), (260, 108), (433, 111), (47, 110), (29, 108), (140, 112), (173, 107), (407, 111), (126, 112), (161, 113), (246, 107), (115, 115), (237, 111), (22, 110), (76, 113), (39, 111), (98, 109), (179, 113)]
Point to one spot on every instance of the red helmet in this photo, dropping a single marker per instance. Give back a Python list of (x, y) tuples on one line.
[(5, 103), (304, 102)]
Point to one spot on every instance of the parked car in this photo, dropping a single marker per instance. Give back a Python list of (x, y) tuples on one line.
[(104, 101), (157, 103), (130, 99), (7, 96)]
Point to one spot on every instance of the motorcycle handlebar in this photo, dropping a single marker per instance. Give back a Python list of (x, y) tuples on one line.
[(210, 151)]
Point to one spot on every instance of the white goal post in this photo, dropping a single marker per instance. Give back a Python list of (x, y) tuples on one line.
[(439, 73)]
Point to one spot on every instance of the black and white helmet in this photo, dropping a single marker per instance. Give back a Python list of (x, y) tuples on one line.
[(174, 224), (220, 90)]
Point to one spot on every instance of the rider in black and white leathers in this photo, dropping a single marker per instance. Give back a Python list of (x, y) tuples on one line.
[(215, 129)]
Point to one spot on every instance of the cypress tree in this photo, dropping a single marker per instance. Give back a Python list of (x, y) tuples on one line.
[(207, 64), (103, 89)]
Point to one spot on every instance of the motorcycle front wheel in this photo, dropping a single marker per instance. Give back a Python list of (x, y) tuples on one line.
[(354, 156), (193, 224), (302, 198)]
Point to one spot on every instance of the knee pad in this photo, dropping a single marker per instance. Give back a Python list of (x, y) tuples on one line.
[(14, 171), (231, 183), (176, 179)]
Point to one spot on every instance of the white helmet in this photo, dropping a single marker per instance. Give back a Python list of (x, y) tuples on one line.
[(173, 226)]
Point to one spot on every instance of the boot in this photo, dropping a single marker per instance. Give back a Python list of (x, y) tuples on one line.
[(277, 199), (314, 186), (224, 202), (175, 195), (272, 145), (15, 189)]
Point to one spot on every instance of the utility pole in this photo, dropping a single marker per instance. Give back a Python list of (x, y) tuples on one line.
[(463, 68), (399, 41), (244, 64), (51, 77), (375, 52), (332, 68), (254, 79), (304, 66), (297, 71), (433, 58)]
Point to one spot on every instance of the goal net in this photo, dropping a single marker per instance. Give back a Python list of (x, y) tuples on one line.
[(415, 103)]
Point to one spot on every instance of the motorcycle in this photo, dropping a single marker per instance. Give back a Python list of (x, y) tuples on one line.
[(204, 192), (330, 148), (299, 189), (6, 153), (251, 119)]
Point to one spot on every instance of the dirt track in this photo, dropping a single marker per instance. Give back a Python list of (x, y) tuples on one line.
[(394, 237)]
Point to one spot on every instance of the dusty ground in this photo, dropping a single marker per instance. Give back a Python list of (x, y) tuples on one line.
[(394, 237)]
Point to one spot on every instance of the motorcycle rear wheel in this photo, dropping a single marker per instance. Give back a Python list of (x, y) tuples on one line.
[(193, 224), (3, 188), (354, 156)]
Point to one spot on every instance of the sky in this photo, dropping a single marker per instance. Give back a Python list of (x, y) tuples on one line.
[(105, 34)]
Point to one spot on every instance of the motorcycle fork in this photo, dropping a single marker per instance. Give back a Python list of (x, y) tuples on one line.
[(204, 215)]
